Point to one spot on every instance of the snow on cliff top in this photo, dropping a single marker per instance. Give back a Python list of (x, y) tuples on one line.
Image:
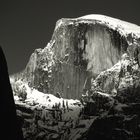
[(123, 27)]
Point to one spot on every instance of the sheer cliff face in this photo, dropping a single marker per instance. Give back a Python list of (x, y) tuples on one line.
[(79, 49), (83, 50), (93, 46)]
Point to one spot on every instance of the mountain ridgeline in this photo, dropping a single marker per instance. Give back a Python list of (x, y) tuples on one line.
[(80, 49)]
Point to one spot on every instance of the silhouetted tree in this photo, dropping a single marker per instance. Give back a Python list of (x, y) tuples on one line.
[(63, 104), (67, 105)]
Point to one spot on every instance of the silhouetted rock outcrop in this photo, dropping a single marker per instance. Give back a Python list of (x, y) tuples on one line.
[(9, 126)]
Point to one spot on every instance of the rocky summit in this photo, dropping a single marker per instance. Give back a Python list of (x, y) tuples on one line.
[(87, 77)]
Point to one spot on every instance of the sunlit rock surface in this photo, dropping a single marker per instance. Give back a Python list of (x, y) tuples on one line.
[(95, 59), (79, 49)]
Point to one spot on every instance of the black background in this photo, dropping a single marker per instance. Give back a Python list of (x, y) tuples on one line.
[(28, 24)]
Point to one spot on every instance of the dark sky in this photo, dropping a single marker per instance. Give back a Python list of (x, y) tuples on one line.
[(28, 24)]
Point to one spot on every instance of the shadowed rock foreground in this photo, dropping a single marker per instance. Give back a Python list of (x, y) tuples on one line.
[(9, 125), (95, 59)]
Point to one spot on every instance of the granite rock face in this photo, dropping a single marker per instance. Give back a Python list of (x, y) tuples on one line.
[(79, 49), (95, 59)]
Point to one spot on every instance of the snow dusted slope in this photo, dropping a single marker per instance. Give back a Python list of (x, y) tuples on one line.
[(44, 115), (124, 27), (39, 100)]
